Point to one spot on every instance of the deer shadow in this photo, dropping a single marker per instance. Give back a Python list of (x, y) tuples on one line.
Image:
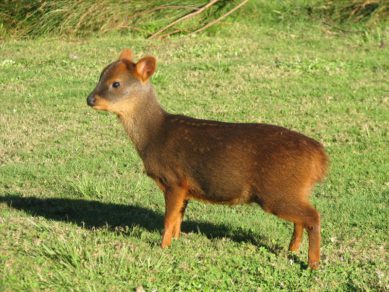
[(92, 214)]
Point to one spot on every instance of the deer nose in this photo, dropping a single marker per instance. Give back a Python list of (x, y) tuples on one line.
[(91, 100)]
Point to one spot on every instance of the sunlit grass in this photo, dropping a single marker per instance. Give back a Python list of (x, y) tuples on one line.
[(76, 209)]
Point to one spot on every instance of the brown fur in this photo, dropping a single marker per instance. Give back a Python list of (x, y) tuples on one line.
[(217, 162)]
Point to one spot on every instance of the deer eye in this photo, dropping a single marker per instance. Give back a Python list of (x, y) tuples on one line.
[(116, 84)]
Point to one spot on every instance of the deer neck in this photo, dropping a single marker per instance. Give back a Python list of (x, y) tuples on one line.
[(143, 121)]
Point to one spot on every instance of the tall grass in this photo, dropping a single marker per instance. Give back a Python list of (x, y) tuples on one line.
[(369, 11), (33, 18), (78, 17)]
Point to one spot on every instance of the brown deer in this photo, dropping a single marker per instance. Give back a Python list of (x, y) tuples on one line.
[(212, 161)]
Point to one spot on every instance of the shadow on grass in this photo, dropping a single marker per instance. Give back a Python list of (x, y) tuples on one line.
[(94, 214)]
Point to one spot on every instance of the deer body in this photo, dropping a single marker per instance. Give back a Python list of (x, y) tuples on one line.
[(229, 163)]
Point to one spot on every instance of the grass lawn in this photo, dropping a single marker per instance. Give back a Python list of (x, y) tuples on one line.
[(77, 210)]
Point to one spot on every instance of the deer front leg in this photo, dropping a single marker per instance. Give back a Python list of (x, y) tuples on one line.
[(177, 226), (174, 206), (297, 237)]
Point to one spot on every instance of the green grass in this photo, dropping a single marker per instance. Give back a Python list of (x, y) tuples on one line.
[(77, 212)]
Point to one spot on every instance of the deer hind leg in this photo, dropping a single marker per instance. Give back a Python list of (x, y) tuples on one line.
[(312, 225), (174, 202), (303, 215)]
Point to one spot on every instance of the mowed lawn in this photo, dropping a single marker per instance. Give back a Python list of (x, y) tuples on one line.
[(77, 211)]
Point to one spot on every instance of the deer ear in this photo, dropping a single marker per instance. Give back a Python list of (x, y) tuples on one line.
[(145, 68), (126, 54)]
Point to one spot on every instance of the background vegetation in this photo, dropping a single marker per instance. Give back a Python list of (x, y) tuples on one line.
[(31, 18), (76, 210)]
